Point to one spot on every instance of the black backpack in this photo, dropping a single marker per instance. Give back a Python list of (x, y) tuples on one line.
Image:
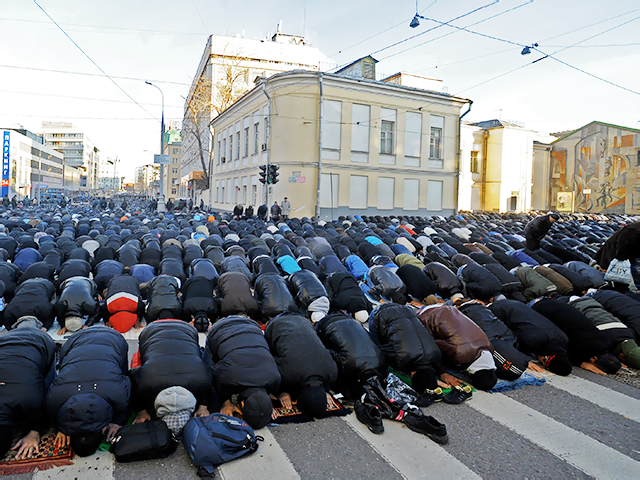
[(143, 441)]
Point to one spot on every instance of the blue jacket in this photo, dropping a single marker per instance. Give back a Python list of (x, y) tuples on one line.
[(26, 257), (356, 266), (288, 264)]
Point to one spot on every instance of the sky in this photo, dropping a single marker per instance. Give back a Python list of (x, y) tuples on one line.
[(45, 77)]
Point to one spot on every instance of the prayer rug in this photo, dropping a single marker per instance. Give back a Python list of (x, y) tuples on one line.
[(293, 415), (48, 457), (523, 381)]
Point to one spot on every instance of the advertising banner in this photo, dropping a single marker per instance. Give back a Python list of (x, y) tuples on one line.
[(6, 140)]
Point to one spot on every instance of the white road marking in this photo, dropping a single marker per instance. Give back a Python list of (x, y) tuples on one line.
[(576, 448), (269, 461), (97, 466), (602, 396), (411, 454)]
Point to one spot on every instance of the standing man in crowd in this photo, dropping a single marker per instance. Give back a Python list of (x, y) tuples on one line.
[(286, 209), (262, 212), (276, 211), (537, 228)]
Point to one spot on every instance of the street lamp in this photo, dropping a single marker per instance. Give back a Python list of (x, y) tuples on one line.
[(527, 50), (114, 163), (161, 207)]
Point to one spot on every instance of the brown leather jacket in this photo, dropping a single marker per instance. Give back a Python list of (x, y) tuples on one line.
[(457, 336)]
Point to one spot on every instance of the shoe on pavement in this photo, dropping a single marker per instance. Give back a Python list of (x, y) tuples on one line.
[(369, 415), (429, 397), (458, 395), (428, 426)]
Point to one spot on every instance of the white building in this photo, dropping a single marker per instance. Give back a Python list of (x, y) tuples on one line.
[(228, 68), (29, 168), (78, 150), (496, 166), (108, 179)]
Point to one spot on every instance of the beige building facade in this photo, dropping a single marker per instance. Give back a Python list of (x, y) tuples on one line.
[(497, 167), (345, 146), (173, 148)]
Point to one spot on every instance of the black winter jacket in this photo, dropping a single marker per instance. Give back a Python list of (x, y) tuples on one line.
[(234, 291), (345, 294), (32, 297), (299, 353), (356, 355), (385, 283), (306, 288), (418, 284), (197, 296), (203, 267), (273, 296), (92, 361), (404, 341), (623, 307), (78, 298), (479, 283), (538, 227), (585, 340), (170, 356), (162, 294), (446, 281), (105, 271), (73, 268), (240, 357), (26, 356), (536, 334)]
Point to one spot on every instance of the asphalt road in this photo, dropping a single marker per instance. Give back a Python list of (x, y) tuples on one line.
[(580, 426)]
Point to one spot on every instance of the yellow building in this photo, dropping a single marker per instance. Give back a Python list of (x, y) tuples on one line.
[(345, 146)]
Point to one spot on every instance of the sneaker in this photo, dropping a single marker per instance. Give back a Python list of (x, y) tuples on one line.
[(369, 415), (427, 425), (429, 397), (458, 395)]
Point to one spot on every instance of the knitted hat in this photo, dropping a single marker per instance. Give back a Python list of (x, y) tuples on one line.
[(362, 316), (257, 408), (73, 323)]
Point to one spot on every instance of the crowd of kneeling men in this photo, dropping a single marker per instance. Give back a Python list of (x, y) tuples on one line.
[(290, 312)]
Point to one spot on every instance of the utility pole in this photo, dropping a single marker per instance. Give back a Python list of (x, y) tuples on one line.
[(161, 206)]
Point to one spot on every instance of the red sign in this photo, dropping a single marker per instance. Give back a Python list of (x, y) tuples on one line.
[(5, 182)]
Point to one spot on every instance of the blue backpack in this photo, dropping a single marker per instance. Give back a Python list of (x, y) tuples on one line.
[(217, 439)]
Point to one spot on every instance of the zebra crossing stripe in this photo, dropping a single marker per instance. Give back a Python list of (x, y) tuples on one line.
[(269, 461), (576, 448), (411, 454), (95, 467), (602, 396)]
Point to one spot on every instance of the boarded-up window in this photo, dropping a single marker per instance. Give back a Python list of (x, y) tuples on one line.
[(434, 195), (331, 124), (411, 193), (329, 183), (386, 191), (358, 191), (360, 128), (413, 134)]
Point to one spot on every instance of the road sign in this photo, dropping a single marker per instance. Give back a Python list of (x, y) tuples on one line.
[(161, 159), (587, 191)]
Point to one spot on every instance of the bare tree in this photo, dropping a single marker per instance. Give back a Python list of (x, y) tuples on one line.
[(211, 96)]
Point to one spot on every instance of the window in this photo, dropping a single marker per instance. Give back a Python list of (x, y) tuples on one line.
[(217, 192), (246, 142), (413, 139), (175, 151), (174, 181), (329, 183), (434, 195), (174, 171), (638, 161), (173, 191), (224, 149), (474, 161), (386, 137), (256, 137), (358, 191), (237, 141), (360, 119), (435, 144), (219, 150), (411, 193), (386, 192), (230, 147), (331, 126)]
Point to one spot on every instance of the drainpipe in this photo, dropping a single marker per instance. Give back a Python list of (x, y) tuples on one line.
[(457, 187), (319, 148), (485, 141), (266, 185)]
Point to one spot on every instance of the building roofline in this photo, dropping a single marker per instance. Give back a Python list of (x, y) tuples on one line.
[(591, 123), (341, 78)]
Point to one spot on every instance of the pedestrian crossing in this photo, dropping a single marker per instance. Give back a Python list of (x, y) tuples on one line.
[(300, 451)]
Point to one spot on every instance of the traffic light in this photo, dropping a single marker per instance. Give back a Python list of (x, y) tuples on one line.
[(272, 179), (263, 174)]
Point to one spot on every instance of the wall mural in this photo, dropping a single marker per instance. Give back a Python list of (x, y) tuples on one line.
[(594, 162)]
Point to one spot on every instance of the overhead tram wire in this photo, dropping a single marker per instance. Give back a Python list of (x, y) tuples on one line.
[(92, 61), (380, 33), (91, 74), (550, 55), (451, 33), (83, 98), (544, 40)]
